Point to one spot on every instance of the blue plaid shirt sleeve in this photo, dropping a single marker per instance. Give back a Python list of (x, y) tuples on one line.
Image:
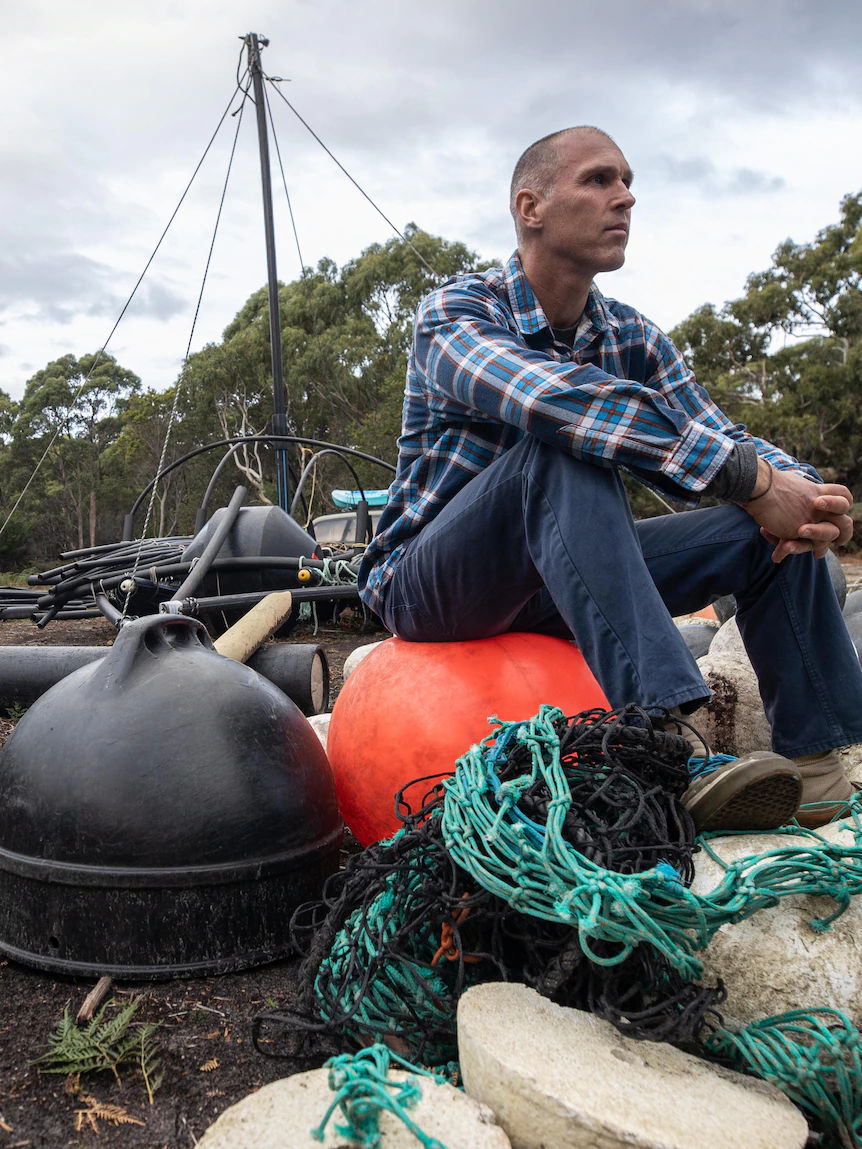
[(674, 380)]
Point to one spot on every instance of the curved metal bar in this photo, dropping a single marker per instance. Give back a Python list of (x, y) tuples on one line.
[(246, 439), (305, 470), (202, 510), (196, 575)]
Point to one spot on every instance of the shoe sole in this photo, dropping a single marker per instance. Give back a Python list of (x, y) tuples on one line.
[(820, 815), (761, 795)]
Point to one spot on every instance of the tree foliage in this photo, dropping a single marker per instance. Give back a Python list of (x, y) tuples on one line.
[(786, 357)]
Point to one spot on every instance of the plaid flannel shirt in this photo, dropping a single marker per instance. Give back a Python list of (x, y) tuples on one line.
[(485, 370)]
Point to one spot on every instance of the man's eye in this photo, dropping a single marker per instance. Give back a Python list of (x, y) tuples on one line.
[(599, 179)]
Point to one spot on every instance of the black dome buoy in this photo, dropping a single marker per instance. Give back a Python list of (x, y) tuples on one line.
[(162, 812)]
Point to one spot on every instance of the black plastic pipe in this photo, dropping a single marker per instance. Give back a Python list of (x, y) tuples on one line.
[(201, 512), (301, 670), (199, 570)]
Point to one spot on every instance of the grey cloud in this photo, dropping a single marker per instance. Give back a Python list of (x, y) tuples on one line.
[(703, 174), (4, 350), (158, 301), (747, 181), (61, 285), (55, 286)]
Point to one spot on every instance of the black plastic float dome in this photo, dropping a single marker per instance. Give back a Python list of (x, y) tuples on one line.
[(162, 812), (257, 531)]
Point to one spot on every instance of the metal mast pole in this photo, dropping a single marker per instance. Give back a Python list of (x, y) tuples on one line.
[(279, 421)]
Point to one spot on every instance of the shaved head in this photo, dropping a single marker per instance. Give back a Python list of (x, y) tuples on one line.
[(538, 166)]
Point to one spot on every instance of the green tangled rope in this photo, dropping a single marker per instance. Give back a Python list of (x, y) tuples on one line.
[(334, 572), (813, 1056), (539, 873), (389, 990), (363, 1090)]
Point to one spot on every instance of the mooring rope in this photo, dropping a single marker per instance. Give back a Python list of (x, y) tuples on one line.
[(363, 1090), (814, 1056)]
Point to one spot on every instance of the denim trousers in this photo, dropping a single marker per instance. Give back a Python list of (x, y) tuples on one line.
[(540, 541)]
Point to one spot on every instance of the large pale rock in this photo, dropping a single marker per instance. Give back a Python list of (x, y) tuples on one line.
[(356, 656), (774, 961), (320, 725), (284, 1113), (851, 758), (728, 640), (562, 1079), (734, 721)]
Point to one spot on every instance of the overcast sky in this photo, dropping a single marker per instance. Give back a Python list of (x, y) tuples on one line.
[(741, 118)]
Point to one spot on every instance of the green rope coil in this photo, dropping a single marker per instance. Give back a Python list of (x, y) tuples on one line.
[(539, 873), (363, 1090), (334, 572), (814, 1057), (381, 989)]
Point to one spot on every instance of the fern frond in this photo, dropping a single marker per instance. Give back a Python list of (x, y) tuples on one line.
[(108, 1033), (149, 1059), (98, 1111), (104, 1044)]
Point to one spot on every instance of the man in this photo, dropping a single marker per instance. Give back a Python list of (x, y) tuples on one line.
[(527, 392)]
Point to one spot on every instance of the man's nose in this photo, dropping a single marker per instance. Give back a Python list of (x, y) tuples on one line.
[(625, 199)]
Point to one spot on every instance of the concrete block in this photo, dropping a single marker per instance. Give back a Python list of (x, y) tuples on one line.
[(563, 1079), (356, 656), (734, 721), (320, 725), (284, 1113), (773, 961)]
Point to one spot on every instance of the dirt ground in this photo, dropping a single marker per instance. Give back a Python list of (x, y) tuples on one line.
[(205, 1033)]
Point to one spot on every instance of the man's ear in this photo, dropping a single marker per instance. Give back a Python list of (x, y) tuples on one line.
[(530, 208)]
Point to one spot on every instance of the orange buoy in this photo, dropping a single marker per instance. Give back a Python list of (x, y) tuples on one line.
[(411, 708)]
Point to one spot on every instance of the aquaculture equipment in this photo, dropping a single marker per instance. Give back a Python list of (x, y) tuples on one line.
[(161, 812)]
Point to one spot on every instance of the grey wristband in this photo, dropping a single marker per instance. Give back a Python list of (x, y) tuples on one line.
[(736, 480)]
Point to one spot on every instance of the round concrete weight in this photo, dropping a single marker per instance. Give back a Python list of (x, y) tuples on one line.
[(319, 723), (284, 1113), (355, 657), (565, 1079), (853, 604), (854, 628), (774, 961), (728, 640)]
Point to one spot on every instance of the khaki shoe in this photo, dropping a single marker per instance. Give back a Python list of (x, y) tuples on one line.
[(825, 789), (760, 791)]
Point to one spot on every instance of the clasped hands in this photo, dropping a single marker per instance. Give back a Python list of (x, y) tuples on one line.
[(796, 515)]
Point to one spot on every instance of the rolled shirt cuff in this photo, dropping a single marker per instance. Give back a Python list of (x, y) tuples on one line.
[(736, 480)]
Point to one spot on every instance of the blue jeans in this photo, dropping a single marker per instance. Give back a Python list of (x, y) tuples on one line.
[(540, 541)]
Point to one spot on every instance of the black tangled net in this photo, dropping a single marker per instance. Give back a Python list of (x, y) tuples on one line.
[(402, 930)]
